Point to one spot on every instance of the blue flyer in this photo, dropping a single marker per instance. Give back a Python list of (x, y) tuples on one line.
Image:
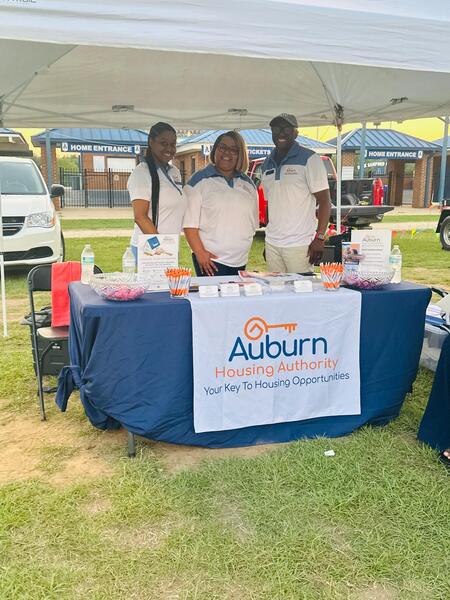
[(153, 242)]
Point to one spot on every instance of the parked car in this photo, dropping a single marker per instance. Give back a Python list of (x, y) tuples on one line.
[(357, 208), (31, 228)]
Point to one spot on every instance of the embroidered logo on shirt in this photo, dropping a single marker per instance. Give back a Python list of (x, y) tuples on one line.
[(290, 171)]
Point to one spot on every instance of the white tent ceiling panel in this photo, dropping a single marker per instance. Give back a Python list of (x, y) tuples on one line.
[(198, 90), (401, 34), (191, 61)]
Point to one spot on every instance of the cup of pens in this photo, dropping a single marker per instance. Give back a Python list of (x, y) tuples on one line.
[(178, 280), (331, 274)]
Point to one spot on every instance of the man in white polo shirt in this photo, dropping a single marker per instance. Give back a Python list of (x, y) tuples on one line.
[(295, 182)]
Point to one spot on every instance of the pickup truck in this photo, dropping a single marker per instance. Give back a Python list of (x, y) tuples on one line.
[(357, 207), (443, 226)]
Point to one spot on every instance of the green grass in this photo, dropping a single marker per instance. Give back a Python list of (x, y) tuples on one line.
[(373, 522), (85, 224), (409, 218), (423, 259), (108, 255)]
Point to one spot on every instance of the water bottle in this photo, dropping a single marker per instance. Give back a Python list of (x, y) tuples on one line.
[(128, 262), (87, 264), (395, 262)]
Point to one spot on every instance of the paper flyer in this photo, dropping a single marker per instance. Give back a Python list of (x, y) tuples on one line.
[(156, 253), (375, 247), (351, 256)]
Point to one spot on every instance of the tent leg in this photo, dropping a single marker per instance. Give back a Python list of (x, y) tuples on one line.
[(2, 276), (2, 268), (338, 180), (362, 151), (441, 191)]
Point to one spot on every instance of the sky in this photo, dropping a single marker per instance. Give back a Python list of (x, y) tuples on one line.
[(427, 129)]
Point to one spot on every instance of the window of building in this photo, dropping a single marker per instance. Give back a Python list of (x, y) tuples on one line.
[(121, 164), (98, 163), (183, 171), (192, 164)]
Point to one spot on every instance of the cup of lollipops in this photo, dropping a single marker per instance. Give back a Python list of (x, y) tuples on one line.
[(178, 280), (331, 274)]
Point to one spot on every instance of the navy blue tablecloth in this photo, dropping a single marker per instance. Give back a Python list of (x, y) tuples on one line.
[(434, 428), (132, 362)]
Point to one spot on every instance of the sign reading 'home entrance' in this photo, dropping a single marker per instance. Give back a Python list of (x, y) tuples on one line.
[(395, 154), (100, 148)]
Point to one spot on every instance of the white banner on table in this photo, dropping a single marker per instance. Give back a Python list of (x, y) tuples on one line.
[(271, 359), (156, 253)]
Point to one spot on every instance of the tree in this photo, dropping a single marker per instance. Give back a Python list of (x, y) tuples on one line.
[(69, 162)]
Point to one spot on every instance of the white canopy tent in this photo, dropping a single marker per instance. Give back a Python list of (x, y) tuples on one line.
[(207, 64), (191, 62)]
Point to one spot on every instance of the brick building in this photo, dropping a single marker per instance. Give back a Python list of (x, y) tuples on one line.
[(99, 150), (387, 152), (106, 157)]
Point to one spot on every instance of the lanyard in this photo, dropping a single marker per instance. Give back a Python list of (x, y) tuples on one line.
[(171, 180)]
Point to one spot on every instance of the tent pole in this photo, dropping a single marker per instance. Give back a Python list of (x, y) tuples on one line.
[(338, 180), (338, 121), (362, 150), (443, 163), (2, 269), (2, 258), (48, 152)]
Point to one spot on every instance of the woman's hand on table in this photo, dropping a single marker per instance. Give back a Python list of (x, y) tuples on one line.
[(206, 262)]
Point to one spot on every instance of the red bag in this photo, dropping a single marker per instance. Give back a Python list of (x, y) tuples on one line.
[(62, 275)]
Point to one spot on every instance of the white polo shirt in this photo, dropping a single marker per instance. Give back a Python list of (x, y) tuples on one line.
[(289, 188), (172, 204), (225, 212)]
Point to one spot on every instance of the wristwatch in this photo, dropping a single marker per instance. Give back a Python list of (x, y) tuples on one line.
[(319, 236)]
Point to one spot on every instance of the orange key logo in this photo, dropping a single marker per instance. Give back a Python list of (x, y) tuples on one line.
[(256, 327)]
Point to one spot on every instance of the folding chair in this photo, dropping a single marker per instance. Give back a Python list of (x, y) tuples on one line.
[(50, 345)]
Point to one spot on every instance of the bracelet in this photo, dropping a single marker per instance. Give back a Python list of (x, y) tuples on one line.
[(319, 236)]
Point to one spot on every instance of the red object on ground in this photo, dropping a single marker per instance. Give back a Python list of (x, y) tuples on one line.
[(378, 192), (62, 275)]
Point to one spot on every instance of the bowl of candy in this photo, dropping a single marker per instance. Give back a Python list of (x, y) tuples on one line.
[(368, 279), (120, 287)]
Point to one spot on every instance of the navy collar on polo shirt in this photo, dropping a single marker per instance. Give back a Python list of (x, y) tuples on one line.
[(293, 151), (211, 171)]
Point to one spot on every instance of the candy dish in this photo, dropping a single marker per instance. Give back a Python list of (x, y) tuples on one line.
[(118, 287), (369, 280)]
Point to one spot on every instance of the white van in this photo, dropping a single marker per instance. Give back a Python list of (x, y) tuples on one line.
[(31, 228)]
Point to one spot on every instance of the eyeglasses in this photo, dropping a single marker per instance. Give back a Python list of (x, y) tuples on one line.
[(280, 128), (228, 149)]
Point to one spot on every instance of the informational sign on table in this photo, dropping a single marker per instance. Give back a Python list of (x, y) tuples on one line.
[(375, 247), (156, 253), (275, 358)]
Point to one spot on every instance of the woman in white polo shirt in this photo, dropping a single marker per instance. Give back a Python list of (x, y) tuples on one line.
[(222, 209), (155, 187)]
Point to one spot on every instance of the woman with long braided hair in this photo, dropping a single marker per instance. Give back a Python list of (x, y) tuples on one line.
[(155, 187)]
